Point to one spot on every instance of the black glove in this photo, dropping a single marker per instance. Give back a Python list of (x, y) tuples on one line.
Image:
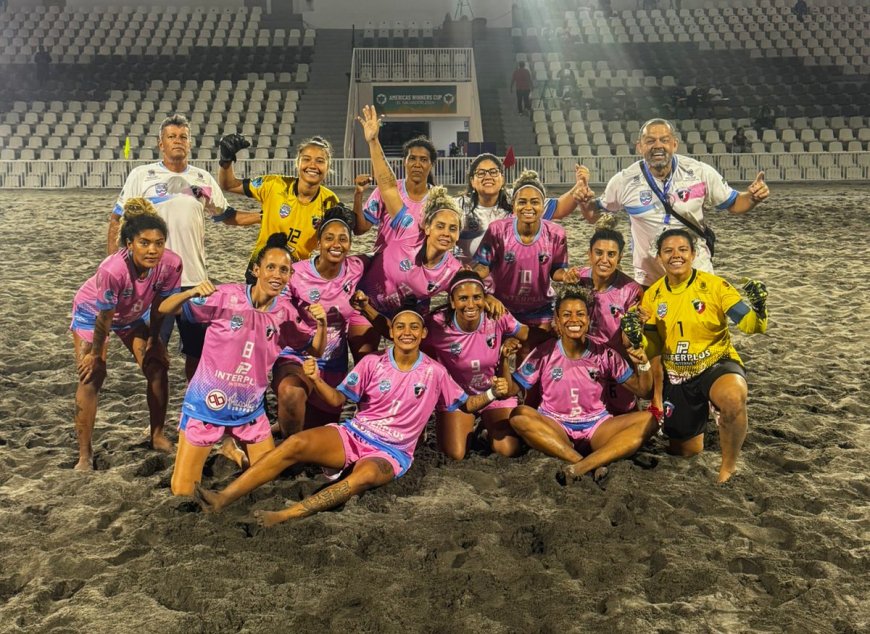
[(632, 326), (230, 145), (756, 292)]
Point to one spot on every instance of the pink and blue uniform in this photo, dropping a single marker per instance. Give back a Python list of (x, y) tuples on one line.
[(393, 406), (308, 287), (397, 272), (242, 343), (116, 286), (573, 389), (375, 211), (604, 330), (521, 272), (471, 358)]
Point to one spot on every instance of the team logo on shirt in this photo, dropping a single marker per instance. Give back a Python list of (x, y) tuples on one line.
[(347, 287), (236, 322), (352, 379), (700, 306), (645, 197), (662, 310), (405, 265), (510, 257), (668, 408), (490, 341), (284, 211), (215, 400), (557, 373), (528, 368), (270, 331), (384, 386), (256, 182), (315, 221), (456, 348), (683, 194), (160, 188), (593, 373), (617, 311), (199, 301), (313, 294), (407, 221), (419, 388), (543, 258), (431, 287)]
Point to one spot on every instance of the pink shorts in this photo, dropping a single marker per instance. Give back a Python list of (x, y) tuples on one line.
[(580, 432), (507, 403), (355, 449), (201, 434)]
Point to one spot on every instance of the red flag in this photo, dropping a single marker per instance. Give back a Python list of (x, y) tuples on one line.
[(510, 159)]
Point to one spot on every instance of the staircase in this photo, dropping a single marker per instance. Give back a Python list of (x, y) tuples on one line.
[(323, 107), (494, 62)]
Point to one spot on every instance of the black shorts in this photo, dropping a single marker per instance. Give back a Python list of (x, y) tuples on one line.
[(686, 405), (190, 334)]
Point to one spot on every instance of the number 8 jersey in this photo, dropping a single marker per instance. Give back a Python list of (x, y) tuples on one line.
[(241, 344)]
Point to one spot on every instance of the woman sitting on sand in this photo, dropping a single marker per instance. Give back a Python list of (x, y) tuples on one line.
[(573, 373), (329, 277), (614, 294), (688, 326), (249, 326), (396, 391), (119, 298)]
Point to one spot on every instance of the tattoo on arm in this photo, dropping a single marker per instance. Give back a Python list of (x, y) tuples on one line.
[(328, 498)]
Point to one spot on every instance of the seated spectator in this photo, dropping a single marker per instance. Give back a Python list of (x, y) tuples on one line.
[(800, 10), (739, 144)]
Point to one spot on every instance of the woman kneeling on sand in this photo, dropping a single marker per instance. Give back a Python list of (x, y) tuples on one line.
[(396, 391), (573, 373), (249, 326), (688, 326), (119, 298)]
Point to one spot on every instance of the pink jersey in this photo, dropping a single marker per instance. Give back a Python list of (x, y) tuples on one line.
[(241, 344), (375, 211), (116, 286), (308, 287), (610, 306), (572, 389), (521, 272), (397, 272), (394, 406), (471, 358)]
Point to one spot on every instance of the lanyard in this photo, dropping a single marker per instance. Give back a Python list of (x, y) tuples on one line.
[(662, 195)]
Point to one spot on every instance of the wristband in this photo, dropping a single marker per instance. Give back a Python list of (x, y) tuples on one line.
[(490, 394), (228, 214), (644, 367)]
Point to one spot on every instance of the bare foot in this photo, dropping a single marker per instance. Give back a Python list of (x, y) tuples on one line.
[(566, 475), (725, 476), (599, 474), (231, 451), (267, 519), (208, 501), (85, 463), (159, 442)]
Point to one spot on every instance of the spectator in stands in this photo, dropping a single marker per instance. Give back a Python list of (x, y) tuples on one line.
[(739, 144), (764, 120), (666, 190), (521, 81), (800, 10), (567, 83), (292, 205), (182, 194), (42, 59)]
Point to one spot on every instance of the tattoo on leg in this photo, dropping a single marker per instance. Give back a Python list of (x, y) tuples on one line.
[(328, 498), (385, 467)]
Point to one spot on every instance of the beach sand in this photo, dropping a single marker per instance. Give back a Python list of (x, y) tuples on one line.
[(483, 545)]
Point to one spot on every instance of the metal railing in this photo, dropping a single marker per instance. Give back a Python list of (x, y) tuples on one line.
[(412, 64)]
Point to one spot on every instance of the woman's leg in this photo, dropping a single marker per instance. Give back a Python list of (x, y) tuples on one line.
[(544, 434), (321, 446), (363, 340), (292, 389), (189, 461), (87, 397), (502, 438), (257, 450), (728, 394), (368, 473), (453, 431), (154, 363), (617, 437)]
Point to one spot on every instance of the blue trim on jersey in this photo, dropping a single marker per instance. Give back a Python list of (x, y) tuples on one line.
[(198, 409), (517, 328), (251, 301), (550, 205), (397, 219), (403, 459), (455, 405), (104, 305), (519, 379), (352, 396), (600, 204), (728, 202), (479, 258), (370, 217), (313, 262), (517, 233), (171, 291), (467, 332), (639, 210), (625, 376), (118, 210), (393, 360), (737, 312), (156, 200)]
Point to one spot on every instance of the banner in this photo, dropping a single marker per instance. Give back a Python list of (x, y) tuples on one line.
[(394, 99)]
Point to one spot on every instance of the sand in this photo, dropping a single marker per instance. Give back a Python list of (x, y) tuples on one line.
[(487, 544)]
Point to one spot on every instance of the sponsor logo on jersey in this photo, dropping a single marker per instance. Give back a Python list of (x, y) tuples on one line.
[(662, 310), (384, 386), (510, 257), (683, 194), (352, 379), (700, 306), (490, 341), (635, 180), (456, 349), (528, 368), (405, 265), (668, 408), (216, 400), (419, 388), (557, 373), (690, 172), (152, 173), (160, 189), (236, 322), (284, 211), (256, 182), (702, 285), (270, 331), (645, 197), (199, 301), (313, 294), (543, 258)]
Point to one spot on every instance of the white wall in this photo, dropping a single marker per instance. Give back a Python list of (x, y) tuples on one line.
[(442, 132)]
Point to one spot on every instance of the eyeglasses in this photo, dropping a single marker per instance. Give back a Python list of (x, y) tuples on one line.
[(490, 172)]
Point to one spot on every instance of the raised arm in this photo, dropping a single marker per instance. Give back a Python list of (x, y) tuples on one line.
[(381, 324), (641, 382), (570, 200), (114, 230), (361, 185), (318, 344), (384, 177), (755, 194), (326, 392), (172, 305), (230, 145)]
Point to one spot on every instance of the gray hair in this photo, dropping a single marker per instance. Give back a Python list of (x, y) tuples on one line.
[(176, 119), (658, 121)]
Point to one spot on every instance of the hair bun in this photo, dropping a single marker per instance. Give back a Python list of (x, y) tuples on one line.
[(606, 221)]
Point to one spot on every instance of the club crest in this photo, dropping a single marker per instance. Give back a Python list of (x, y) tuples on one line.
[(313, 294), (160, 189), (315, 221), (431, 287), (557, 374), (510, 257), (683, 194), (352, 379), (347, 287), (236, 322), (490, 341), (699, 306), (456, 349), (662, 310), (617, 311), (645, 197), (284, 211), (543, 258), (405, 265), (593, 374), (384, 386), (668, 408), (419, 388), (270, 331), (199, 301)]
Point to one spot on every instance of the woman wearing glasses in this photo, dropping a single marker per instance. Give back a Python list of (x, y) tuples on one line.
[(486, 199)]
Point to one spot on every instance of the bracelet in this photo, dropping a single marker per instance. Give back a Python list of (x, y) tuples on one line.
[(644, 367), (490, 394)]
